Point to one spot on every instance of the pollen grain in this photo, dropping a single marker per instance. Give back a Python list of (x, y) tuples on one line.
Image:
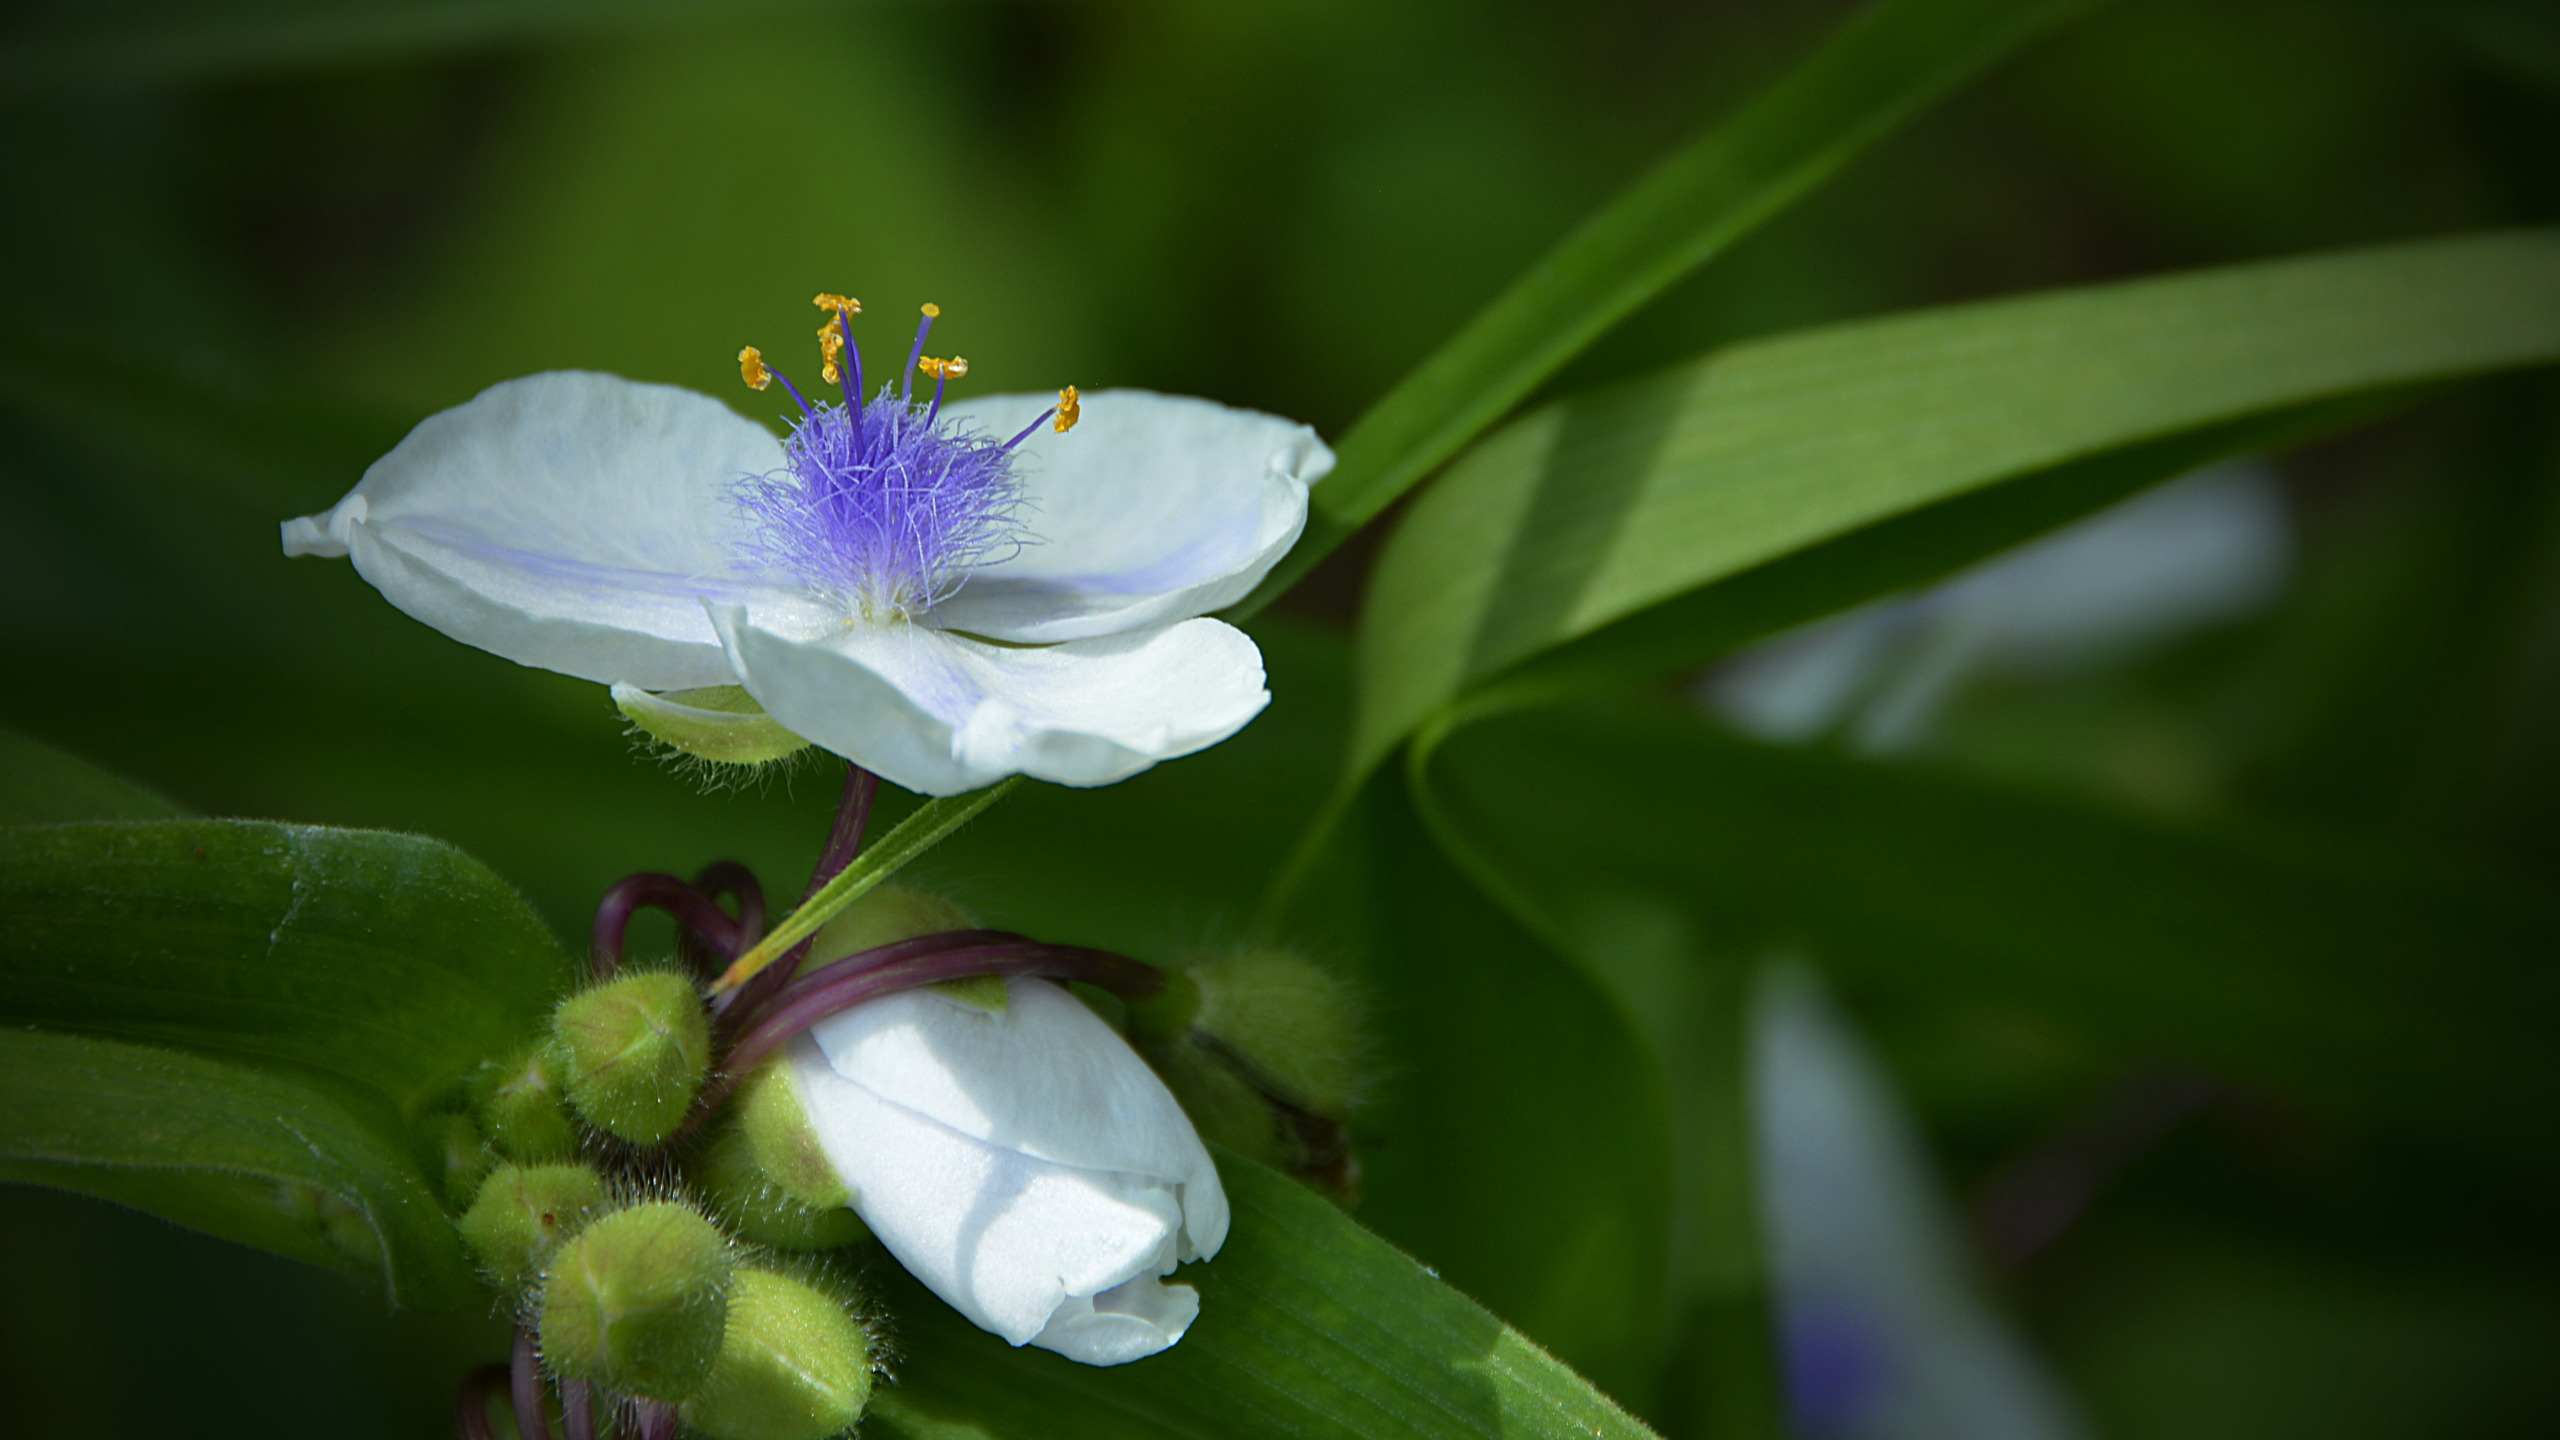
[(751, 369), (1070, 409)]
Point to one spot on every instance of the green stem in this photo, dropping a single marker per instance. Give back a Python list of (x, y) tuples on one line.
[(929, 825)]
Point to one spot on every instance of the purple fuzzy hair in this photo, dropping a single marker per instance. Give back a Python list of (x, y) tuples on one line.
[(886, 507)]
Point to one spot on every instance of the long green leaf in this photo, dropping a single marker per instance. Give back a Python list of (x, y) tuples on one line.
[(389, 960), (1593, 510), (1892, 61), (285, 1163), (1485, 1039), (2376, 985), (1309, 1327)]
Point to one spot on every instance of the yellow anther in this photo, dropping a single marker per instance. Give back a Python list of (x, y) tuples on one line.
[(931, 309), (751, 368), (1070, 409), (951, 369), (831, 346), (841, 303)]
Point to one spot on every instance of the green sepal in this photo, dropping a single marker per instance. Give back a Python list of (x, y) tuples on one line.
[(637, 1301), (721, 723), (633, 1052), (795, 1364)]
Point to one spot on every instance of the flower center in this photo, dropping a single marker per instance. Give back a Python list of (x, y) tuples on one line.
[(885, 506)]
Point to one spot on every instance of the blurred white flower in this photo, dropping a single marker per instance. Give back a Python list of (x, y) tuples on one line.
[(2214, 546), (896, 582), (1883, 1334), (1023, 1163)]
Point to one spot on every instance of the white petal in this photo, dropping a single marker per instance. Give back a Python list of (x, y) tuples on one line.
[(569, 520), (1016, 1244), (1124, 1323), (1156, 508), (1045, 1076), (941, 713)]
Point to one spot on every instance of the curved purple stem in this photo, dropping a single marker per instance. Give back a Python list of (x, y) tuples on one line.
[(471, 1403), (692, 909), (728, 877), (524, 1375), (658, 1421), (578, 1409), (838, 988)]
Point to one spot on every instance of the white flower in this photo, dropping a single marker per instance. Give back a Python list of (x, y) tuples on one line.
[(896, 582), (1024, 1164)]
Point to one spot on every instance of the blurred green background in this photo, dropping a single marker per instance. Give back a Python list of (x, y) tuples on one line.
[(247, 246)]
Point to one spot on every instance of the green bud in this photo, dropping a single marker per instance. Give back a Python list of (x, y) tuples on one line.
[(632, 1052), (462, 1157), (519, 1108), (768, 1176), (756, 1209), (889, 913), (793, 1365), (721, 723), (637, 1301), (1290, 1019), (521, 1215), (1263, 1049)]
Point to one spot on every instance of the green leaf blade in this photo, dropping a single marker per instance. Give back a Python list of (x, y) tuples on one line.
[(389, 960), (1886, 65), (1590, 511), (1309, 1326), (285, 1163)]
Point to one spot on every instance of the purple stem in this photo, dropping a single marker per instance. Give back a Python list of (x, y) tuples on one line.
[(658, 1421), (837, 988), (578, 1409), (693, 909), (471, 1403), (524, 1374), (853, 812), (844, 840), (716, 1092), (728, 877)]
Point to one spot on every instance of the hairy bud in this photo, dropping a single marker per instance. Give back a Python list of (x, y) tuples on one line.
[(637, 1301), (632, 1053), (1263, 1048), (519, 1105), (767, 1176), (793, 1365), (521, 1215)]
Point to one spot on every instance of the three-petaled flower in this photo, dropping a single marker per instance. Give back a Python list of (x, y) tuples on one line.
[(895, 581)]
